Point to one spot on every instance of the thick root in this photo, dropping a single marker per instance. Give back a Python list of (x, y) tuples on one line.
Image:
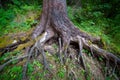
[(60, 51), (80, 56), (100, 52)]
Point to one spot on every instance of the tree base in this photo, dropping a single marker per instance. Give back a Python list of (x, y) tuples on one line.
[(50, 46)]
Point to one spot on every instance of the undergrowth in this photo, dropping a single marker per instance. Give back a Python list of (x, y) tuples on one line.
[(16, 18)]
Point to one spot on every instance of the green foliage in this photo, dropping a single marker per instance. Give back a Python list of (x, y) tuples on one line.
[(100, 59), (38, 64), (61, 73), (14, 16), (30, 69), (91, 22), (107, 78), (12, 74), (87, 52), (82, 72)]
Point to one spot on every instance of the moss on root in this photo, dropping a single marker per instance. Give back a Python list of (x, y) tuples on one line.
[(4, 41)]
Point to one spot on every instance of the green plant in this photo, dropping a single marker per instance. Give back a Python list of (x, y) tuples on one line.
[(100, 58), (82, 72), (30, 68), (38, 64), (12, 73), (12, 19), (61, 73)]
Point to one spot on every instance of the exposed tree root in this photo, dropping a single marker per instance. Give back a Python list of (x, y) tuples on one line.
[(61, 58), (84, 43), (81, 55), (72, 75), (11, 47), (25, 66), (100, 52), (16, 58), (38, 48)]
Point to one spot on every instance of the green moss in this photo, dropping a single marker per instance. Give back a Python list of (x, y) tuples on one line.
[(21, 46), (4, 41)]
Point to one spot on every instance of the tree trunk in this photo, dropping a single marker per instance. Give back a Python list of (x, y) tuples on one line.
[(54, 15)]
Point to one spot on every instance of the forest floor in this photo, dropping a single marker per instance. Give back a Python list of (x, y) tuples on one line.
[(58, 71), (96, 68)]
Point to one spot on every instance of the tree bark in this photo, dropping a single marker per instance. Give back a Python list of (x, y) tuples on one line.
[(54, 15)]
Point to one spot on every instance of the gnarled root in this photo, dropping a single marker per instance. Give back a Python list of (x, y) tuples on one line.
[(100, 52), (83, 43), (64, 40)]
